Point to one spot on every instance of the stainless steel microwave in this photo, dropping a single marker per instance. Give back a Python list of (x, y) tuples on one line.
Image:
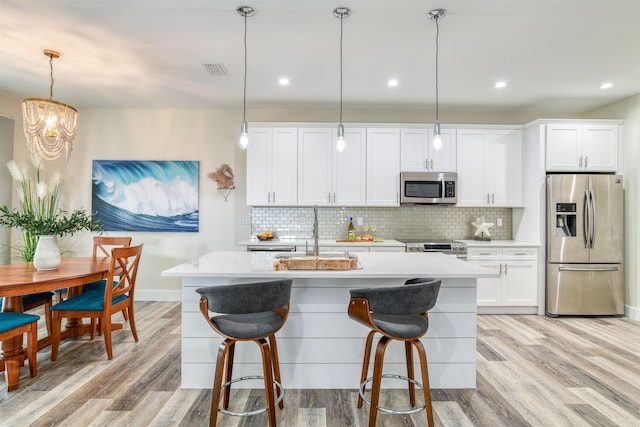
[(428, 188)]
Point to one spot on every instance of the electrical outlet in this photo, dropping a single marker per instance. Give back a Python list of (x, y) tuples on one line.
[(499, 222), (244, 220)]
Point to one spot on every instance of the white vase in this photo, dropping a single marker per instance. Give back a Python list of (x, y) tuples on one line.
[(47, 255)]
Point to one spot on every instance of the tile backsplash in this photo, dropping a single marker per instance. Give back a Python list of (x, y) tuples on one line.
[(404, 222)]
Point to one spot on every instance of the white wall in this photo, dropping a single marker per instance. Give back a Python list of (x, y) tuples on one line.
[(629, 110), (6, 154)]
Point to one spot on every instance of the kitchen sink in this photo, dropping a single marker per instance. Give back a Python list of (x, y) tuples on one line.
[(321, 255)]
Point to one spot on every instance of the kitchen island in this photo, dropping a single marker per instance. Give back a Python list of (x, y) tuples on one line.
[(319, 346)]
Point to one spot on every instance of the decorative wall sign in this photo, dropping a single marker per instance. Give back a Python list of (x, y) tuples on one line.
[(146, 195)]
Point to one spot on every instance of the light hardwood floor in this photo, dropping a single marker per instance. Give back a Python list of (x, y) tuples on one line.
[(532, 371)]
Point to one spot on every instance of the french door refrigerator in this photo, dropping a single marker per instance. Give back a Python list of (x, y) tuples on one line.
[(585, 244)]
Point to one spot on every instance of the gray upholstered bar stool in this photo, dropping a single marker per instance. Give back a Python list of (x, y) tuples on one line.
[(247, 312), (397, 313)]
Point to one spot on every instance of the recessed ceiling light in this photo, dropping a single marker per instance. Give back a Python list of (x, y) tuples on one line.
[(283, 81), (606, 85), (392, 83), (500, 85)]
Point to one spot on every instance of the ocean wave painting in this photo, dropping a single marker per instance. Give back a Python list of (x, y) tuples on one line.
[(135, 195)]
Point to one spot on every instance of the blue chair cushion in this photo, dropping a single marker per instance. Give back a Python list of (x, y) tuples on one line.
[(401, 325), (247, 326), (87, 301), (10, 320), (28, 299), (95, 286)]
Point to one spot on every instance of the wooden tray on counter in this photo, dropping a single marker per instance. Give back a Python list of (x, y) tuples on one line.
[(316, 263)]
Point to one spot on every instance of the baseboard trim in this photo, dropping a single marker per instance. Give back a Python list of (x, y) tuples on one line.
[(155, 295), (632, 313)]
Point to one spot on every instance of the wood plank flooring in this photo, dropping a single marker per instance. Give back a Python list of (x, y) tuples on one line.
[(532, 371)]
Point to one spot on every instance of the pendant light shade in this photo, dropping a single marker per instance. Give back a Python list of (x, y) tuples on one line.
[(341, 13), (436, 15), (49, 126), (245, 11)]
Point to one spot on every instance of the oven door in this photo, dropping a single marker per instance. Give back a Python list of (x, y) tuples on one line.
[(427, 188)]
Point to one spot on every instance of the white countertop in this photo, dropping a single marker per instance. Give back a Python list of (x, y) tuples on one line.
[(373, 265), (321, 242), (500, 243)]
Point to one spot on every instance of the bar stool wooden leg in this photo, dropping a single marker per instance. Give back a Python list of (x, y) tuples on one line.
[(217, 381), (267, 369), (365, 363), (275, 361), (377, 379), (228, 375), (425, 380), (412, 387)]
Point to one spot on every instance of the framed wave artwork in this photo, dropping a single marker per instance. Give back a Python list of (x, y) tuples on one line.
[(146, 195)]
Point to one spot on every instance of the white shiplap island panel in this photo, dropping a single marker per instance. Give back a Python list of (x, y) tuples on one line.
[(319, 346)]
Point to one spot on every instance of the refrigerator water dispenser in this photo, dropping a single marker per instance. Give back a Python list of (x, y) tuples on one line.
[(566, 220)]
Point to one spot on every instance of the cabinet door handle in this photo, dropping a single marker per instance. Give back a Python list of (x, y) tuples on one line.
[(493, 198), (487, 198), (485, 253), (521, 253), (431, 164), (329, 197), (426, 164), (505, 269), (274, 197), (269, 197), (334, 198), (586, 158), (500, 265), (580, 162)]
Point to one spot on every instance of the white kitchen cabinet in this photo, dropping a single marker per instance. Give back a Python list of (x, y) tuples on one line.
[(489, 167), (383, 167), (418, 153), (517, 285), (327, 177), (579, 147), (272, 167)]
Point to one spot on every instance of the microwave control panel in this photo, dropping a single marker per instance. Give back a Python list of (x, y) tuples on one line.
[(449, 189)]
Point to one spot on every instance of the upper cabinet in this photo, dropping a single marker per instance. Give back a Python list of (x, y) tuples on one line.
[(327, 177), (272, 166), (418, 153), (489, 167), (580, 147), (383, 167)]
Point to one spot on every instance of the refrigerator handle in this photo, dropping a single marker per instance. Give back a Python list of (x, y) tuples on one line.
[(587, 269), (593, 219), (586, 219)]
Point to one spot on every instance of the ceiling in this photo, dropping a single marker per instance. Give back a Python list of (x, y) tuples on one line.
[(553, 54)]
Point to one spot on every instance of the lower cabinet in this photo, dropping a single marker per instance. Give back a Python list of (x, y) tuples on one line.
[(517, 284)]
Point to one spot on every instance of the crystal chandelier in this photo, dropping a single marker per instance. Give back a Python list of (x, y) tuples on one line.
[(49, 126), (435, 15)]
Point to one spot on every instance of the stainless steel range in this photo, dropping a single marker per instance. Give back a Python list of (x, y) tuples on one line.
[(452, 247)]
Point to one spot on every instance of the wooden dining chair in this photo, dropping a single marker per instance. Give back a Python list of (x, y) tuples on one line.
[(15, 325), (102, 304), (31, 301), (102, 246)]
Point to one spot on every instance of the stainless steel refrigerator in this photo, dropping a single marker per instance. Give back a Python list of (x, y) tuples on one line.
[(585, 245)]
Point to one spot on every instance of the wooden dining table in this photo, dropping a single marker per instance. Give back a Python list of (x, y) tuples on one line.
[(21, 279)]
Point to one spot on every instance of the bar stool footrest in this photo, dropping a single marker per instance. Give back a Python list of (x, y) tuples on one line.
[(389, 410), (279, 395)]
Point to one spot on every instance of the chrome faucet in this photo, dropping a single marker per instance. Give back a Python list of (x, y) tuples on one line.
[(316, 248)]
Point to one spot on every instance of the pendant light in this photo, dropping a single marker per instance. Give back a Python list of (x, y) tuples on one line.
[(49, 126), (435, 15), (245, 11), (341, 13)]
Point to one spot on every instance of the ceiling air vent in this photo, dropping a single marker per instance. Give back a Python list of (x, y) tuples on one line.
[(216, 69)]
